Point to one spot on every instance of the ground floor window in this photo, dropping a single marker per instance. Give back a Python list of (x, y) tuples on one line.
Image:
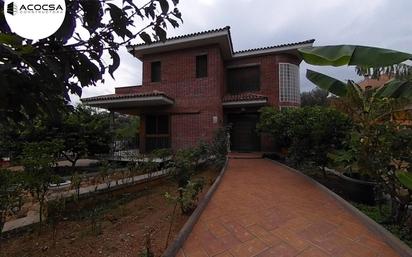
[(157, 132)]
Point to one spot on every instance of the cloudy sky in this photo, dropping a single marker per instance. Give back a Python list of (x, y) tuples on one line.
[(259, 23)]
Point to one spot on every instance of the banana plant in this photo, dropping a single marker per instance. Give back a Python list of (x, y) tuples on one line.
[(368, 60)]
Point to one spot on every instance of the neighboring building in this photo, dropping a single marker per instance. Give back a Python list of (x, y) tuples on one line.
[(369, 83), (402, 117), (196, 83)]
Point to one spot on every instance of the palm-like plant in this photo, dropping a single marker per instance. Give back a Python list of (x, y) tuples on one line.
[(368, 108)]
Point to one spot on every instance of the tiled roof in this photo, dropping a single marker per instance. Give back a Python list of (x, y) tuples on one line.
[(243, 97), (125, 96), (191, 35), (374, 83), (227, 28), (276, 46)]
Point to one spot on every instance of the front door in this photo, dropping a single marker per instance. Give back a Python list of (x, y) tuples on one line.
[(243, 136)]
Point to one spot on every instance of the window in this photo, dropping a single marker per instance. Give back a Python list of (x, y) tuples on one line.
[(201, 66), (289, 83), (156, 71), (243, 79), (157, 124), (157, 132)]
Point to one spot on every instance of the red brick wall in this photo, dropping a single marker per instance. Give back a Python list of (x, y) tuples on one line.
[(269, 82), (197, 100), (269, 73)]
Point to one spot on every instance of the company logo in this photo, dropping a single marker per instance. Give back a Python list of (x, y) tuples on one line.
[(34, 19), (11, 8)]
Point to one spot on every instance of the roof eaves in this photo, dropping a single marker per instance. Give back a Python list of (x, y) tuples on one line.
[(272, 49), (124, 96), (186, 36)]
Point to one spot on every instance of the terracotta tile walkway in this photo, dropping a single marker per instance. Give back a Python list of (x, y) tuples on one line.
[(263, 209)]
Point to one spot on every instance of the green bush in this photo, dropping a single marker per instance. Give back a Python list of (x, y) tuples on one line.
[(308, 134)]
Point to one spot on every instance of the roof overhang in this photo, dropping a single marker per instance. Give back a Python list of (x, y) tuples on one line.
[(293, 50), (220, 37), (129, 102), (245, 103)]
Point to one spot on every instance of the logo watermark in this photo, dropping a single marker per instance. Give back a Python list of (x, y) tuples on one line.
[(34, 19)]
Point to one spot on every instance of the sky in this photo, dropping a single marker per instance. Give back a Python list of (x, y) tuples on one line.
[(260, 23)]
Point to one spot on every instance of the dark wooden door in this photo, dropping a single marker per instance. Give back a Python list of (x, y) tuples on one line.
[(244, 137)]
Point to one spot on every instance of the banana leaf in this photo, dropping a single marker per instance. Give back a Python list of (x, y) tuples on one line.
[(327, 83), (364, 56), (396, 89)]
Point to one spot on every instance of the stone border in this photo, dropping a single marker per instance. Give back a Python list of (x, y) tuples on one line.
[(185, 231), (399, 246)]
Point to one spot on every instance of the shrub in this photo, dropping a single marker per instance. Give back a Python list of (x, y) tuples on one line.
[(219, 145), (188, 195), (308, 133), (10, 194), (38, 160)]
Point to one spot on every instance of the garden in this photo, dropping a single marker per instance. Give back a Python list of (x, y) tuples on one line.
[(133, 209), (352, 141)]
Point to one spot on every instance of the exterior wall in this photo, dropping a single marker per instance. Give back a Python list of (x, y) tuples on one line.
[(269, 83), (269, 73), (197, 100)]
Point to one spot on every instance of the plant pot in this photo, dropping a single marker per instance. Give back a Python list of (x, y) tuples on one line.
[(352, 189)]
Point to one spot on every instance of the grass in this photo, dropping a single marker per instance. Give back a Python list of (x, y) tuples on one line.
[(373, 212)]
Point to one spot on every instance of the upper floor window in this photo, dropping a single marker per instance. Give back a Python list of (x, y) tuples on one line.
[(243, 79), (289, 83), (201, 66), (156, 70)]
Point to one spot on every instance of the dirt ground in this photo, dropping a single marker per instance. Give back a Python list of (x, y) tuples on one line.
[(118, 231)]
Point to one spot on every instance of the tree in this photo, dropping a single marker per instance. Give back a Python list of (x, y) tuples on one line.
[(38, 76), (83, 133), (38, 160), (315, 97), (10, 194)]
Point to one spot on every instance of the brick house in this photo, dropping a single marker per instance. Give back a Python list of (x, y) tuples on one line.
[(196, 83)]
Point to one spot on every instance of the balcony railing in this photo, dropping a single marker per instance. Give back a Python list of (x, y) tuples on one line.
[(158, 141)]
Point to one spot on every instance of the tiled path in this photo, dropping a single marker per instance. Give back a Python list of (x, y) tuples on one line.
[(263, 209)]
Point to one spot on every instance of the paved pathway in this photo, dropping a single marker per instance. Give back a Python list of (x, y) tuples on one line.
[(263, 209)]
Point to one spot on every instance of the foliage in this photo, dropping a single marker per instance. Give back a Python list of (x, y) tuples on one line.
[(38, 160), (363, 56), (105, 175), (55, 211), (378, 147), (81, 132), (219, 145), (10, 194), (127, 127), (188, 195), (184, 163), (380, 215), (38, 76), (405, 179), (308, 133), (316, 97), (369, 61), (76, 181)]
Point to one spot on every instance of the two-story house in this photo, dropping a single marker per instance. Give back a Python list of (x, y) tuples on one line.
[(196, 83)]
